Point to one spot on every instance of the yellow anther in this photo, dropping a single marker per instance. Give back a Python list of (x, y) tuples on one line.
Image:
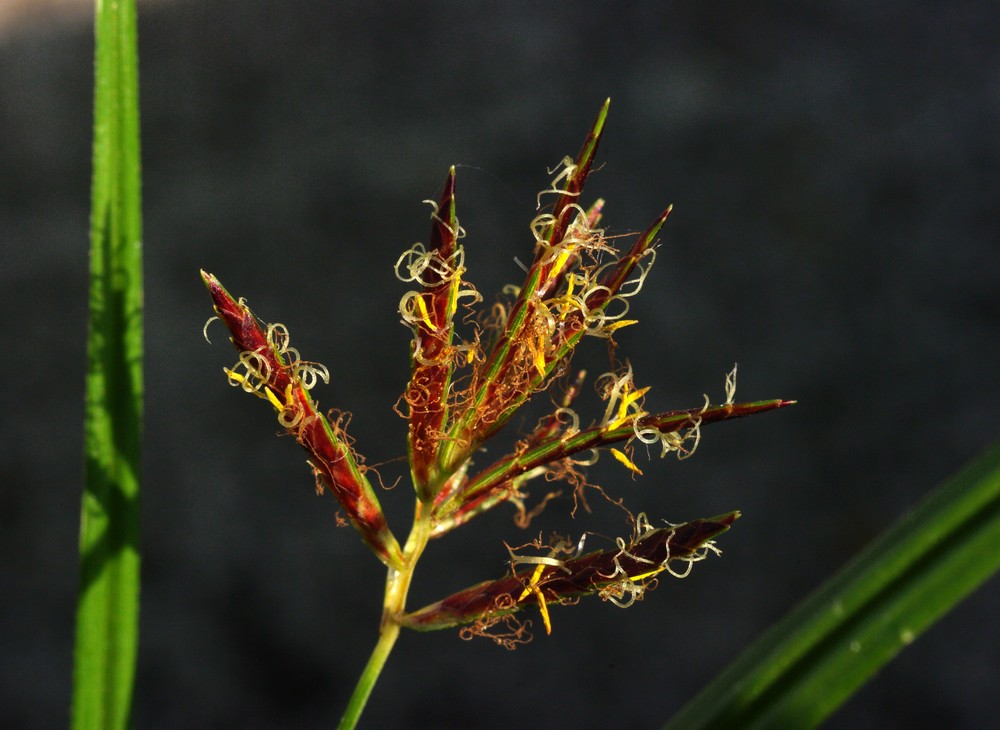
[(544, 610), (630, 398), (566, 303), (453, 295), (619, 324), (570, 280), (278, 405), (233, 375), (424, 314), (620, 456), (532, 587), (561, 259), (533, 583), (627, 400), (540, 356), (540, 362), (650, 574)]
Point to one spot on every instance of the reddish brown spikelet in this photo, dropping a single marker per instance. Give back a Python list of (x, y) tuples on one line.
[(433, 359), (275, 374), (591, 574), (520, 361), (492, 485)]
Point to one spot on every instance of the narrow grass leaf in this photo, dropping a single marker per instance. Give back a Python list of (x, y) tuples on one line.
[(108, 606), (806, 666)]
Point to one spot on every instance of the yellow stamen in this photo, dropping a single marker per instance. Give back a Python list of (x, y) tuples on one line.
[(627, 399), (278, 405), (532, 587), (619, 324), (630, 398), (544, 610), (540, 356), (533, 583), (650, 574), (566, 302), (620, 456), (267, 392), (453, 295), (560, 261), (424, 314)]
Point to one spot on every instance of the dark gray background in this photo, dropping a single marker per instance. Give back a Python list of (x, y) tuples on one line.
[(834, 172)]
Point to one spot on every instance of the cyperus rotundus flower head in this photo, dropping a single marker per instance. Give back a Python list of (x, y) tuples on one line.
[(465, 387)]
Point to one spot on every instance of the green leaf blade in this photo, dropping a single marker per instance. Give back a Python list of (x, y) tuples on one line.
[(107, 609), (805, 667)]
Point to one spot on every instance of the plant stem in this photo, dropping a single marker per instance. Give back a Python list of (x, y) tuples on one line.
[(386, 640), (397, 585)]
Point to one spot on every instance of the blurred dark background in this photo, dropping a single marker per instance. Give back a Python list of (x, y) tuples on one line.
[(834, 171)]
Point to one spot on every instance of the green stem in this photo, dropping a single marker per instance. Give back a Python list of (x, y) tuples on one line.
[(397, 585), (356, 705)]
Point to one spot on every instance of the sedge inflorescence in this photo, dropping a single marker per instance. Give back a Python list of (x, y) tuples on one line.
[(464, 389)]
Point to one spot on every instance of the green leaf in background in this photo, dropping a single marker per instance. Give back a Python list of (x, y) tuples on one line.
[(108, 607), (805, 667)]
